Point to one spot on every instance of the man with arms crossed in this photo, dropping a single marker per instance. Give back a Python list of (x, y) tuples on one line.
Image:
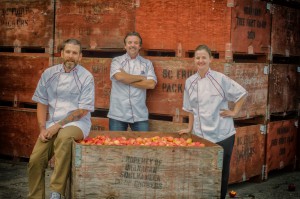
[(131, 76)]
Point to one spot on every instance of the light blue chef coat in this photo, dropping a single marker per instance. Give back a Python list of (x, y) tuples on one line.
[(128, 103), (205, 97), (66, 92)]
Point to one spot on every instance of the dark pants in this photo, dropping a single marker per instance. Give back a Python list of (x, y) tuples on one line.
[(227, 145), (116, 125)]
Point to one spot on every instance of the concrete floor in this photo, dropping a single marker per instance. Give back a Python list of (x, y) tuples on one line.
[(14, 185)]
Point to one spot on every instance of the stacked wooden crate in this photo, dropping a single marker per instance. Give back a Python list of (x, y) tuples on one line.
[(281, 145), (249, 40), (26, 43)]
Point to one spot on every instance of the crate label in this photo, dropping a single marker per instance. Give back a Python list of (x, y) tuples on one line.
[(220, 159), (141, 172), (78, 156), (284, 138), (180, 74)]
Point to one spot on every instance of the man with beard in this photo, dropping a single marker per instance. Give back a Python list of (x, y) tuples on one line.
[(131, 76), (65, 97)]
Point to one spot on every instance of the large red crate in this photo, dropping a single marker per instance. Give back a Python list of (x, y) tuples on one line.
[(283, 88), (27, 23), (248, 155), (281, 144), (97, 24), (251, 26), (20, 74), (183, 25), (285, 36)]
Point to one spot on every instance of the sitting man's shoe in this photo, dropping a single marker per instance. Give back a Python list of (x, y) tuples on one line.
[(55, 195)]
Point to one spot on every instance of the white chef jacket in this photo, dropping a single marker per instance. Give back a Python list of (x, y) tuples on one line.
[(204, 97), (128, 103), (65, 92)]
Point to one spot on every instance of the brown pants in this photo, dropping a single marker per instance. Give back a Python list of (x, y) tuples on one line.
[(61, 146)]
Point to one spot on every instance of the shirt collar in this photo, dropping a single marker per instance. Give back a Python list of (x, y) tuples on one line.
[(129, 58), (206, 74)]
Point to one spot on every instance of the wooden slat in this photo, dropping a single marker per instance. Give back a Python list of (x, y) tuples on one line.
[(251, 26), (97, 24), (145, 172), (27, 23), (281, 144), (248, 155), (283, 88)]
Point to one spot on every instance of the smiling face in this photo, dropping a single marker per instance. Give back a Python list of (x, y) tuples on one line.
[(132, 45), (202, 61), (71, 56)]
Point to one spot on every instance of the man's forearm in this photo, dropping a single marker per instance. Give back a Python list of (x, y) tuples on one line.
[(41, 115), (74, 116), (145, 84), (128, 78)]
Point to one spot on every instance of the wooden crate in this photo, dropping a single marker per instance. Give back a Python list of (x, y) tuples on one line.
[(18, 131), (281, 144), (285, 37), (27, 23), (146, 172), (248, 155), (97, 24), (172, 25), (20, 74), (283, 88), (251, 26), (167, 97)]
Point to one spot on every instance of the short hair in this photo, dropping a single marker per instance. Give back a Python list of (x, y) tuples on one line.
[(133, 34), (204, 47), (70, 41)]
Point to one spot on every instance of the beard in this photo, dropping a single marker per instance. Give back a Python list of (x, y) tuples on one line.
[(70, 64)]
